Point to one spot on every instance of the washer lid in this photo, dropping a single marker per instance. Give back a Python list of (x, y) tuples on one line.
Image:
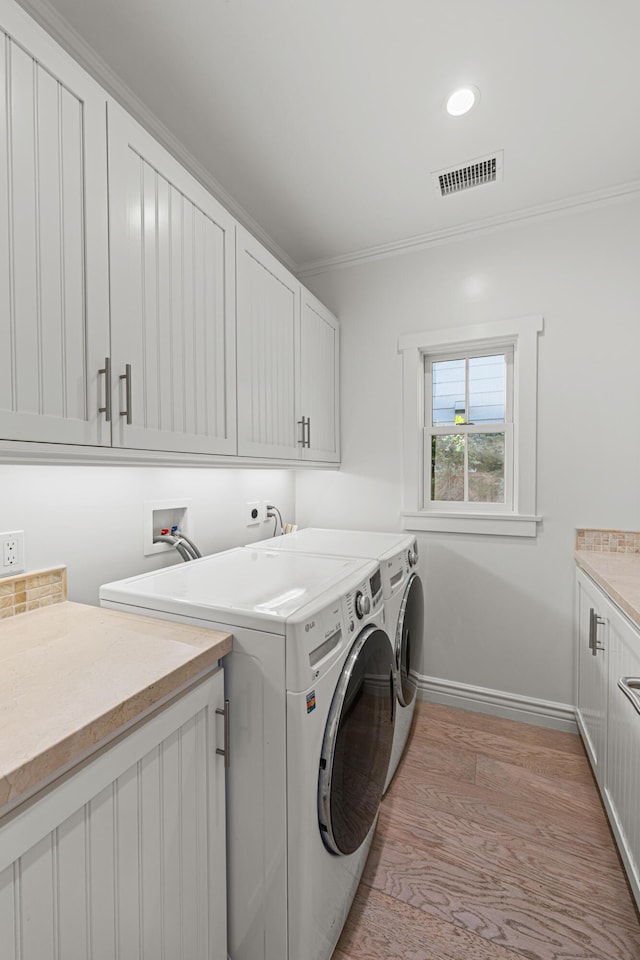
[(242, 587), (340, 543)]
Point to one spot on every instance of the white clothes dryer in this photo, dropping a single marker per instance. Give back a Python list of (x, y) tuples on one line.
[(403, 597), (310, 685)]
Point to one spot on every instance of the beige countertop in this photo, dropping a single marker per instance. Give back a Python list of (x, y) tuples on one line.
[(73, 676), (619, 576)]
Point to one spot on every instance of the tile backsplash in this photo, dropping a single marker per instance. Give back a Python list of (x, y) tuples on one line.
[(30, 591), (608, 541)]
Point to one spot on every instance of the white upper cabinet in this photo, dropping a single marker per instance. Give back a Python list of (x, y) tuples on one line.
[(172, 301), (287, 362), (268, 330), (54, 304), (319, 380), (119, 274)]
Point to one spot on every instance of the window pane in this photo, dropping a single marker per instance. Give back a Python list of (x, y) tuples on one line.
[(487, 379), (447, 467), (448, 392), (486, 467)]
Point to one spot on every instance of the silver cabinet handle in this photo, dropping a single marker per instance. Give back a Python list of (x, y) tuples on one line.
[(126, 376), (308, 431), (629, 686), (225, 752), (302, 423), (107, 389), (594, 622)]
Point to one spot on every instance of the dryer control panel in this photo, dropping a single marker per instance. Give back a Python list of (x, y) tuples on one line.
[(321, 634), (396, 569)]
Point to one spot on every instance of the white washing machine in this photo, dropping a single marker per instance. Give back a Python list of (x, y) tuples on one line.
[(403, 597), (310, 685)]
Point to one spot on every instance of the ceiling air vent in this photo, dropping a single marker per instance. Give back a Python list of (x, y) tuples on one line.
[(472, 174)]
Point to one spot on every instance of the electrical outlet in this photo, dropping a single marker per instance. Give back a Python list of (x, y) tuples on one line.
[(12, 552), (253, 513)]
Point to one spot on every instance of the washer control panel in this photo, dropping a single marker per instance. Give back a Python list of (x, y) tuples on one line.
[(363, 601), (322, 633), (362, 605)]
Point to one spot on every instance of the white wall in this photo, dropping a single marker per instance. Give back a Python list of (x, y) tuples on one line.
[(91, 518), (499, 610)]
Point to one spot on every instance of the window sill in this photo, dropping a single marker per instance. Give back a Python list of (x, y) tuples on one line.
[(496, 524)]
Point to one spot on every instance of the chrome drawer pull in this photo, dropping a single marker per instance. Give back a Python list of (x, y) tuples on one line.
[(630, 686)]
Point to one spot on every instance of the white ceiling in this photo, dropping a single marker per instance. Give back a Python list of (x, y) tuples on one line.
[(324, 118)]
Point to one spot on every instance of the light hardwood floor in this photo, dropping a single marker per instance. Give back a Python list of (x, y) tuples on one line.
[(492, 844)]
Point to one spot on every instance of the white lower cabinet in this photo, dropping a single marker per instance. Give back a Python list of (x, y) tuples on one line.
[(591, 707), (608, 713), (126, 857), (622, 792)]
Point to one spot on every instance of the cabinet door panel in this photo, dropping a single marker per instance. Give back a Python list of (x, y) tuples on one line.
[(268, 330), (623, 747), (319, 372), (592, 676), (72, 838), (54, 332), (127, 857), (172, 296)]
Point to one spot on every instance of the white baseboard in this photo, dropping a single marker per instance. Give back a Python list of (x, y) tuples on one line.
[(497, 703)]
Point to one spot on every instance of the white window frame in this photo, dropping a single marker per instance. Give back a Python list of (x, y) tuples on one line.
[(517, 516)]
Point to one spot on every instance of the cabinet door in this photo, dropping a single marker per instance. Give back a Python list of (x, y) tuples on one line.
[(623, 746), (54, 324), (319, 380), (172, 301), (126, 858), (268, 324), (592, 672)]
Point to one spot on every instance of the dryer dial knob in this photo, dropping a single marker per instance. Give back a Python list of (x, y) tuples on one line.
[(413, 557), (363, 605)]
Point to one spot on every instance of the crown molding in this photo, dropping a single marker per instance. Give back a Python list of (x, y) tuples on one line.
[(467, 230), (70, 40), (75, 45)]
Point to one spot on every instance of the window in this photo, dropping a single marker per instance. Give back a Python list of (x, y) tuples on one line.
[(470, 428), (468, 433)]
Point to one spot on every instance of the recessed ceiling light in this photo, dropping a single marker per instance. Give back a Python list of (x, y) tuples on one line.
[(462, 100)]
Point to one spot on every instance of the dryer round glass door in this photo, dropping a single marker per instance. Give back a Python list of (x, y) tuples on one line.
[(409, 635), (357, 743)]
